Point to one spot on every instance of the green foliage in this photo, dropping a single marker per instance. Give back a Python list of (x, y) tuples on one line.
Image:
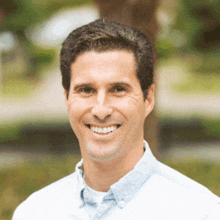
[(212, 128), (17, 85), (200, 22), (199, 83), (193, 130), (25, 13), (21, 77), (9, 132), (55, 5), (205, 63), (18, 183), (165, 47), (195, 28), (22, 14)]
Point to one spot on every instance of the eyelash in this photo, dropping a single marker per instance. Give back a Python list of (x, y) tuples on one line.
[(86, 88)]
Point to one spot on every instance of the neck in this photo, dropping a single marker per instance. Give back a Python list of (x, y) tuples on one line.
[(100, 175)]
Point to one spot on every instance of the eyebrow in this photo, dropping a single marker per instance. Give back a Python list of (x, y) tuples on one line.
[(111, 84), (82, 85), (121, 84)]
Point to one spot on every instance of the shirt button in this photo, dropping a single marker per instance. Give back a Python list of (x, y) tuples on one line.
[(121, 204)]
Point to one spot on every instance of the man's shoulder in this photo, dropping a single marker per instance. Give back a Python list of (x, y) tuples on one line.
[(57, 189), (179, 188), (52, 196), (176, 196), (175, 179)]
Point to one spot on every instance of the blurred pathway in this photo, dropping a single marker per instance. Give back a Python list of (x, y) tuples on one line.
[(11, 159), (183, 104), (47, 102), (202, 151), (197, 151)]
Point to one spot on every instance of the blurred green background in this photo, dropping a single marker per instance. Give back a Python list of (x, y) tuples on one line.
[(18, 183), (37, 144)]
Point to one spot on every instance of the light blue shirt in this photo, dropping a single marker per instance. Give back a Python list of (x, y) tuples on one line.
[(151, 191)]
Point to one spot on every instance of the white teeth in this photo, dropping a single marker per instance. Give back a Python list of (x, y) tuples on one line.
[(103, 130)]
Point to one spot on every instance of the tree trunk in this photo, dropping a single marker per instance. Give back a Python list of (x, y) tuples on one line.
[(142, 15)]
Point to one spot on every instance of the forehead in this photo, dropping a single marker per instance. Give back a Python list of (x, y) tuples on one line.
[(109, 65), (101, 55)]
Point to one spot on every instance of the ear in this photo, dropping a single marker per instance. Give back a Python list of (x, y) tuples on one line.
[(149, 101)]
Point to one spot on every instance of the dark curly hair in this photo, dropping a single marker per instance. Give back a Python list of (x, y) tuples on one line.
[(104, 35)]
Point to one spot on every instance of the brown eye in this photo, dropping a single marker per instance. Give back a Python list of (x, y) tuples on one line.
[(86, 90), (118, 89)]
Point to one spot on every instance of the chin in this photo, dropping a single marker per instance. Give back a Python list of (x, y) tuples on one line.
[(102, 153)]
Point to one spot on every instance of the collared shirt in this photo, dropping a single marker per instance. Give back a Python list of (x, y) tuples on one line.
[(151, 191)]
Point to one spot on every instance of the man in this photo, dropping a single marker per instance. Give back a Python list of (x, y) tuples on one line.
[(107, 75)]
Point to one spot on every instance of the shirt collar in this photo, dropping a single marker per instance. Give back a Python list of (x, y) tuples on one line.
[(127, 187), (81, 185)]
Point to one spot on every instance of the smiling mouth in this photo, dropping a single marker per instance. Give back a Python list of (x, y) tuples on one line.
[(103, 130)]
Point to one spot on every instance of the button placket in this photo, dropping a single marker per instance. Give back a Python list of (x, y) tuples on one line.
[(103, 208)]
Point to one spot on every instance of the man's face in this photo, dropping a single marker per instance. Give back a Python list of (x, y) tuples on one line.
[(105, 104)]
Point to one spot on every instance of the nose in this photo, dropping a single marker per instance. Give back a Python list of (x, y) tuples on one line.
[(102, 107)]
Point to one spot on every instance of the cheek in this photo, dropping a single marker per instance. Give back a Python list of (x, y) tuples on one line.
[(75, 116), (131, 109), (76, 109)]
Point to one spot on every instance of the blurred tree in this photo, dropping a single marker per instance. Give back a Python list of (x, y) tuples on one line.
[(2, 15), (142, 15), (137, 13)]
